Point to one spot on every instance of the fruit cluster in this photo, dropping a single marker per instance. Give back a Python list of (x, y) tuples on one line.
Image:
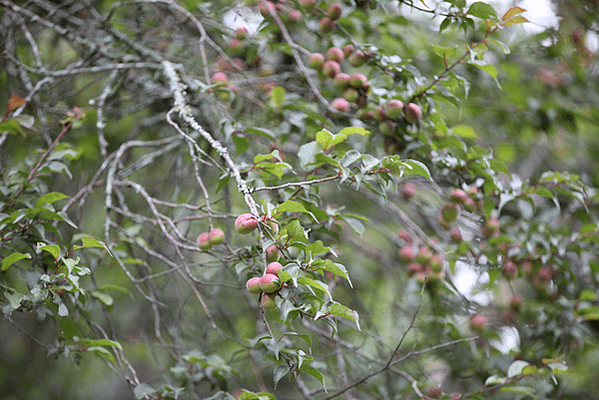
[(422, 264), (269, 283), (208, 239)]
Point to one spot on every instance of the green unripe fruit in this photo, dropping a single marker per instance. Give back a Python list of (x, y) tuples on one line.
[(351, 95), (246, 223), (309, 5), (253, 285), (220, 78), (357, 59), (326, 25), (341, 80), (393, 108), (437, 262), (316, 61), (272, 253), (357, 80), (217, 236), (450, 211), (334, 11), (423, 256), (271, 225), (268, 301), (269, 283), (407, 254), (204, 241)]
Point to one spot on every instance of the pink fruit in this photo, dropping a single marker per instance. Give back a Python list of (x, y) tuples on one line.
[(326, 25), (268, 301), (266, 7), (478, 322), (408, 191), (357, 80), (414, 268), (241, 33), (294, 16), (456, 235), (348, 50), (393, 108), (335, 54), (331, 68), (423, 256), (458, 196), (269, 283), (216, 236), (509, 270), (413, 113), (273, 268), (334, 11), (407, 254), (316, 61), (220, 78), (340, 105), (379, 114), (204, 241), (246, 223), (387, 127), (357, 59), (437, 263), (253, 285), (341, 80), (272, 253)]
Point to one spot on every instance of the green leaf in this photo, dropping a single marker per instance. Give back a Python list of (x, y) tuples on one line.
[(314, 372), (525, 390), (143, 390), (327, 140), (321, 286), (444, 52), (14, 299), (354, 130), (50, 198), (13, 258), (515, 21), (488, 68), (465, 132), (306, 154), (316, 248), (89, 241), (277, 95), (101, 342), (482, 10), (293, 206), (512, 12), (515, 369), (279, 372), (417, 168), (338, 310), (106, 299), (11, 126)]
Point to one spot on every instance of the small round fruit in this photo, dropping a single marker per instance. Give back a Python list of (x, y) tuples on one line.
[(458, 196), (340, 105), (450, 211), (204, 241), (357, 80), (348, 49), (241, 33), (331, 68), (269, 283), (316, 61), (334, 11), (509, 270), (357, 59), (393, 108), (268, 301), (273, 268), (326, 25), (271, 225), (272, 253), (437, 263), (309, 5), (253, 285), (217, 236), (424, 256), (478, 322), (294, 16), (266, 7), (408, 191), (456, 235), (407, 254), (220, 78), (246, 223), (351, 95), (413, 113), (341, 80), (335, 54)]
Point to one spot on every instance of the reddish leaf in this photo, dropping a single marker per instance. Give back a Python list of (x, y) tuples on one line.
[(15, 102), (512, 12)]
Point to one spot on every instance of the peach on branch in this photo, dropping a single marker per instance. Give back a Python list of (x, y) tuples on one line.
[(341, 80), (456, 235), (407, 254), (379, 114), (253, 285), (415, 268), (220, 78), (326, 25), (437, 262), (316, 61), (269, 283), (357, 59), (348, 49), (294, 16), (335, 54), (340, 104), (268, 301), (216, 236), (331, 68), (458, 196), (509, 270), (266, 7), (408, 190), (272, 225), (357, 80), (272, 253), (204, 241), (413, 113), (273, 268), (478, 322), (450, 211), (393, 108), (423, 256), (246, 223), (334, 11), (241, 33), (351, 95), (308, 5), (387, 127)]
